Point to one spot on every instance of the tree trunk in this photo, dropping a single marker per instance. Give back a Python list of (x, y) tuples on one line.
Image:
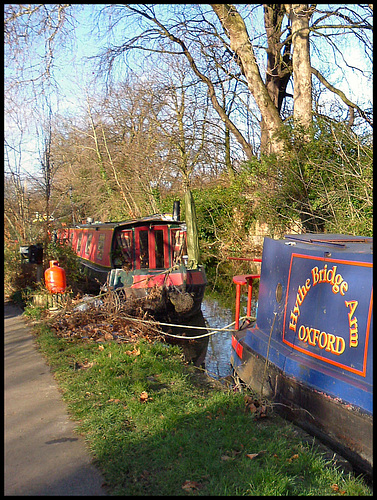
[(279, 66), (302, 73), (228, 160), (236, 30)]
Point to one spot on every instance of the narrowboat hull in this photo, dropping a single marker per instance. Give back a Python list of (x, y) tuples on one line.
[(347, 429), (310, 350), (180, 290)]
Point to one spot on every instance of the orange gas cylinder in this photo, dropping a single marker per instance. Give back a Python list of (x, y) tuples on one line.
[(55, 279)]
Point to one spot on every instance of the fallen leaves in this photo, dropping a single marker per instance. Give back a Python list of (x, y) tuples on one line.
[(256, 455), (191, 485), (336, 488), (144, 397), (231, 455), (255, 407), (134, 352), (83, 366), (293, 457)]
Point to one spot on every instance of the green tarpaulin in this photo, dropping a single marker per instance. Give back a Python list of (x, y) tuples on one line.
[(192, 231)]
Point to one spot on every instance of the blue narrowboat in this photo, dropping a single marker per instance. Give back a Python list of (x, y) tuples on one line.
[(310, 348)]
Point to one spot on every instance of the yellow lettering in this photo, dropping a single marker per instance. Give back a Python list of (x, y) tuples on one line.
[(293, 323), (315, 336), (352, 321), (354, 337), (331, 273), (343, 288), (308, 332), (323, 335), (339, 349), (329, 276), (322, 274), (315, 276), (301, 333), (338, 280), (330, 342), (352, 304)]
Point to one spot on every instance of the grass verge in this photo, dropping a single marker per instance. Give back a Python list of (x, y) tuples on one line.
[(157, 426)]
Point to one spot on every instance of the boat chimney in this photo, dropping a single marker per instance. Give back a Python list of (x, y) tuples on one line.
[(176, 210)]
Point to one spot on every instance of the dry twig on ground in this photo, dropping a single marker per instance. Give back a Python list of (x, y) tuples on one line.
[(111, 318)]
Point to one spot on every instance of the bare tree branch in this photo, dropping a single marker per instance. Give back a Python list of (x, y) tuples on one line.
[(341, 94)]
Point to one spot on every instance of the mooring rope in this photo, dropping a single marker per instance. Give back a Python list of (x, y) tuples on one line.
[(212, 332), (208, 334)]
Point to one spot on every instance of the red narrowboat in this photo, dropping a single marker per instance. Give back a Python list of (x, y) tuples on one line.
[(140, 255)]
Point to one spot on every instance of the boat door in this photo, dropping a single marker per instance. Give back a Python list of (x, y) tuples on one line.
[(152, 247)]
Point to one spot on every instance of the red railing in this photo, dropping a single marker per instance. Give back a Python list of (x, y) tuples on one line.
[(243, 279)]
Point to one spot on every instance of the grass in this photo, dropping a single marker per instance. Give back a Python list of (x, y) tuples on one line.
[(156, 426)]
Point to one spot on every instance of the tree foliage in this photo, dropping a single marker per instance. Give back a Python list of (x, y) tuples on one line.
[(327, 184)]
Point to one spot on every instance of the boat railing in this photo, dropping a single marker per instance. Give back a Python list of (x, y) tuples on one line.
[(243, 279)]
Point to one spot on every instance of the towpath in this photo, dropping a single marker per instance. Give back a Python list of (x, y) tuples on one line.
[(42, 454)]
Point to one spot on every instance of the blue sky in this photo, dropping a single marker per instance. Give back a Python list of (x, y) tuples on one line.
[(73, 72)]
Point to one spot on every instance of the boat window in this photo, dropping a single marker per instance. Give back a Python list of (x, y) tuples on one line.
[(144, 250), (179, 245), (79, 242), (101, 246), (123, 252), (159, 248), (88, 242), (126, 244)]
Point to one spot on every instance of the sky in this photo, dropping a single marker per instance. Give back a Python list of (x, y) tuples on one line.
[(73, 72)]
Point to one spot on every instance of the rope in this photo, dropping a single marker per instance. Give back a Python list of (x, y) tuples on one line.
[(208, 334), (212, 332)]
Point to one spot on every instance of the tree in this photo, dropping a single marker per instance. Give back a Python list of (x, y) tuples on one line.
[(299, 15), (184, 37), (187, 132), (240, 44), (40, 29), (327, 184)]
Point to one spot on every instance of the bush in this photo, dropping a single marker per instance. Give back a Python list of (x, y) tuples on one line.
[(18, 275), (326, 183)]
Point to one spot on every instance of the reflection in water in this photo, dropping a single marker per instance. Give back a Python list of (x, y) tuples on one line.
[(213, 351), (217, 361), (194, 350)]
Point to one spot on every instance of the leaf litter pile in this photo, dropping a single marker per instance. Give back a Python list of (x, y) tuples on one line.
[(106, 319)]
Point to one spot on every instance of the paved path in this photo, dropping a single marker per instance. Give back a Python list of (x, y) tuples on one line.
[(43, 456)]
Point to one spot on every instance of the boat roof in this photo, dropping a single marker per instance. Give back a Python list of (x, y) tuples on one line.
[(156, 218), (345, 242)]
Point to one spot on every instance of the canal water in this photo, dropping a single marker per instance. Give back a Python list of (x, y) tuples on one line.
[(217, 360)]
